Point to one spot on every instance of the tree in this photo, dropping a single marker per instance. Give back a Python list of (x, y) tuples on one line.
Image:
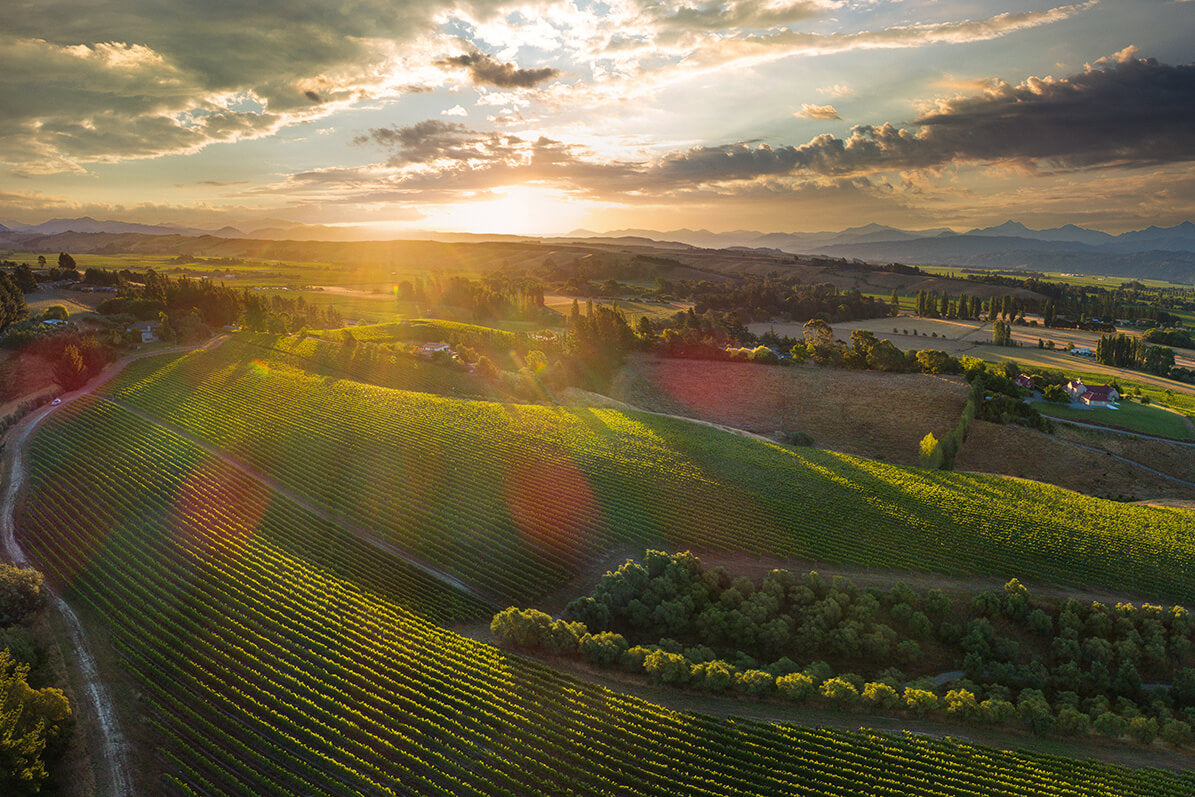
[(22, 592), (796, 686), (931, 452), (66, 262), (667, 668), (69, 371), (41, 261), (839, 691), (1001, 333), (819, 339), (920, 701), (25, 278), (12, 301), (880, 695), (32, 719), (525, 628)]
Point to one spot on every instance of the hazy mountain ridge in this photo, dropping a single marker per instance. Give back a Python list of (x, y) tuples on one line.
[(1180, 237), (1166, 253)]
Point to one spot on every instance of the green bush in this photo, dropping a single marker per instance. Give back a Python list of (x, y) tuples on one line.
[(713, 676), (22, 592), (995, 711), (1143, 729), (757, 683), (605, 649), (1111, 724), (961, 704), (880, 695), (795, 686), (666, 668), (839, 691), (920, 701)]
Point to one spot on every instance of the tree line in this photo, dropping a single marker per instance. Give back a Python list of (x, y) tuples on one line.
[(1052, 666)]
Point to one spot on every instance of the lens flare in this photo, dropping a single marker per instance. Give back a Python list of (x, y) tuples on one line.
[(552, 504)]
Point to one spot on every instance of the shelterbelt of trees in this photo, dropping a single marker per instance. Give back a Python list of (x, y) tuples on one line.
[(1055, 667)]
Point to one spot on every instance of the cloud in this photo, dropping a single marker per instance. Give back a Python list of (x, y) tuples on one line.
[(484, 69), (1124, 111), (455, 110), (817, 112), (142, 78), (152, 77), (731, 14), (837, 90), (792, 42), (1121, 111)]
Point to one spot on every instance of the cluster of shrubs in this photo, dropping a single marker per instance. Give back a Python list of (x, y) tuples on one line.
[(993, 397), (35, 722), (1062, 667)]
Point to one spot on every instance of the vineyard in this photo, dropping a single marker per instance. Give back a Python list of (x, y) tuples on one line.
[(273, 653), (425, 329), (372, 364), (543, 489)]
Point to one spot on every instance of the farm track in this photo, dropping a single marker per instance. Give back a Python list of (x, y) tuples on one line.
[(1126, 432), (115, 746), (361, 532)]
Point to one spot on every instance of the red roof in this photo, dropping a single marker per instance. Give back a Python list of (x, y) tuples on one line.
[(1098, 393)]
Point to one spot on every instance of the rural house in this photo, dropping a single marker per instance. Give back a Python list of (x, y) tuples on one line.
[(148, 330), (430, 350), (1100, 396), (1025, 381), (1092, 395)]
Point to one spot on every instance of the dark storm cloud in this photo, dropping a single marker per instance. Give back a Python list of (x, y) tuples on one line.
[(1129, 111), (484, 69)]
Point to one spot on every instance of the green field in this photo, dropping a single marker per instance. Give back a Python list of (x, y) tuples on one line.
[(1090, 280), (269, 652), (1168, 392), (425, 330), (374, 364), (1144, 418), (541, 489)]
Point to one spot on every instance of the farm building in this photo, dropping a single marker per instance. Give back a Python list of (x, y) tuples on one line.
[(1092, 395), (148, 330), (430, 350), (1100, 396), (1025, 381)]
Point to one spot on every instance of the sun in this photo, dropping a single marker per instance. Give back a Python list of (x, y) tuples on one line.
[(519, 210)]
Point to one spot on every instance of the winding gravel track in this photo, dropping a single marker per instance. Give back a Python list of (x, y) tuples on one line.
[(115, 754)]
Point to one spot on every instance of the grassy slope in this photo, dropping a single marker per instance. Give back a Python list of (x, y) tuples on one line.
[(1147, 419), (542, 489), (274, 654)]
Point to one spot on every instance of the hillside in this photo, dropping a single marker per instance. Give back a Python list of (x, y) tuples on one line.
[(636, 260), (267, 642), (543, 488)]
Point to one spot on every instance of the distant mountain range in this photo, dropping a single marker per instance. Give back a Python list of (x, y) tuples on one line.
[(1179, 238), (1166, 253)]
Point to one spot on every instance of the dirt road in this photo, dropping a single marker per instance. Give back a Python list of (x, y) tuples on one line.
[(116, 779)]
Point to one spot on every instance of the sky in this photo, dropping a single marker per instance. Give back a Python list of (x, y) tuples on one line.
[(543, 117)]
